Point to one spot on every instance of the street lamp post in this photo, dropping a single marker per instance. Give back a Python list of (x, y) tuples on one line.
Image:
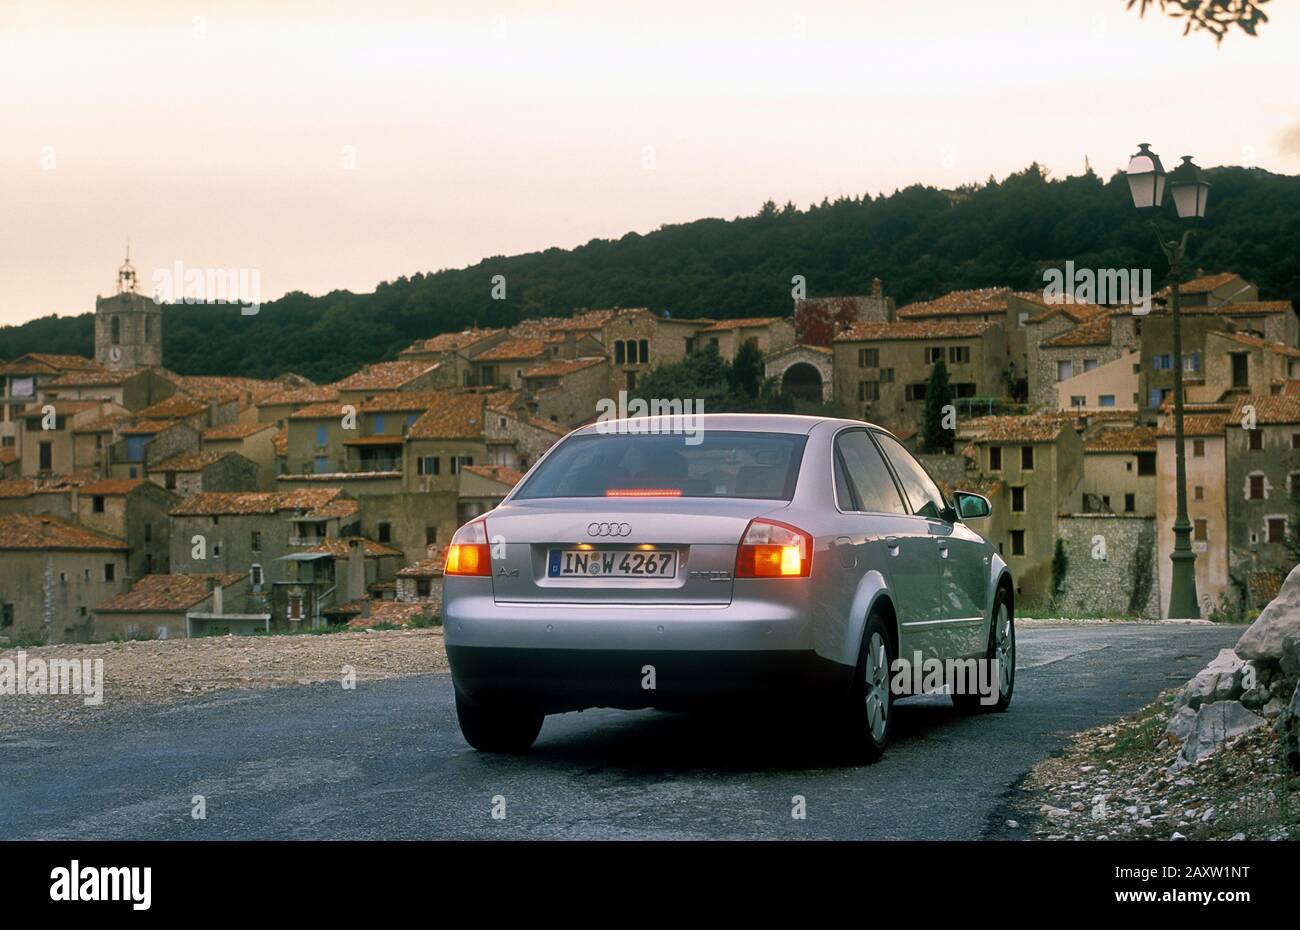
[(1189, 188)]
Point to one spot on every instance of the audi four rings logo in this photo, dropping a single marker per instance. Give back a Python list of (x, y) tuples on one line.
[(609, 529)]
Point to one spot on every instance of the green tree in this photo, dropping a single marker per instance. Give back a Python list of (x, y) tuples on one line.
[(1060, 565), (746, 373), (938, 401)]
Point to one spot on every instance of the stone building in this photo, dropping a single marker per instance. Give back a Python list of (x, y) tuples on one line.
[(882, 370), (162, 606), (1038, 461), (128, 326), (144, 444), (566, 391), (1262, 485), (1206, 505), (1119, 471), (766, 333), (133, 510), (453, 352), (513, 437), (132, 388), (21, 383), (804, 371), (1109, 385), (52, 574), (254, 441), (276, 408), (637, 341), (387, 377), (1238, 363), (818, 319), (504, 364), (190, 473)]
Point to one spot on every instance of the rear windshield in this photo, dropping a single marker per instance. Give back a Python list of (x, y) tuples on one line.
[(723, 463)]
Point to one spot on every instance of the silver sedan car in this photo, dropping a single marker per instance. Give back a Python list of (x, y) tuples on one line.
[(759, 556)]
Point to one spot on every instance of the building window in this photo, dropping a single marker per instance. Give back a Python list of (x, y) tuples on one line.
[(321, 465), (430, 535), (169, 480), (377, 424), (1106, 400), (256, 541), (1198, 448), (1192, 362), (1164, 362), (1277, 529), (1295, 440), (1295, 484), (645, 351), (1078, 400), (385, 532), (148, 532), (97, 503), (46, 462), (1201, 529), (255, 577), (995, 458), (868, 358), (631, 380), (933, 355), (1089, 364), (427, 465), (1146, 463), (322, 437), (1018, 500), (1256, 492), (1256, 440), (1130, 503), (1022, 318), (1064, 370), (914, 391), (1157, 396), (1198, 493), (958, 355), (114, 330), (1017, 542), (1240, 369), (868, 390), (110, 571), (886, 375), (1027, 458)]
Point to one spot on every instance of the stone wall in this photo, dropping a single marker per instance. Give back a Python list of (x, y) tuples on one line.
[(944, 468), (1124, 581)]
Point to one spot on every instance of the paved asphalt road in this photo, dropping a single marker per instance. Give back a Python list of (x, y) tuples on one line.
[(386, 761)]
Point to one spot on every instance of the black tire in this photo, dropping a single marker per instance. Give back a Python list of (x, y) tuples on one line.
[(1006, 658), (497, 727), (863, 733)]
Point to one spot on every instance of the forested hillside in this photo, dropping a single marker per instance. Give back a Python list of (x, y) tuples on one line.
[(920, 241)]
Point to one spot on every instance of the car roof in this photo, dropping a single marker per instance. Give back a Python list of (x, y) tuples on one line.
[(745, 422)]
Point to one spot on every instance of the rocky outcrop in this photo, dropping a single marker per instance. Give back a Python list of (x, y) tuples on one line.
[(1245, 687)]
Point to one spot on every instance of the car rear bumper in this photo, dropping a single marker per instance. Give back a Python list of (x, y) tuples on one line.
[(558, 680)]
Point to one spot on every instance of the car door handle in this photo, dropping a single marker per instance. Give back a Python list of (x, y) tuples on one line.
[(892, 543), (943, 548)]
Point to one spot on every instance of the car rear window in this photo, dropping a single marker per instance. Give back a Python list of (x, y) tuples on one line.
[(724, 463)]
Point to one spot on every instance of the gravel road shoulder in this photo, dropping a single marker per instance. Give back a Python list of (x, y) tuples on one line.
[(152, 672)]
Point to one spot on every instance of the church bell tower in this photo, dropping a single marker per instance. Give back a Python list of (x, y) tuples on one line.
[(128, 325)]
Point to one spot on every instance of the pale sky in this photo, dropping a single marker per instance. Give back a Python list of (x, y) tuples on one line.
[(220, 135)]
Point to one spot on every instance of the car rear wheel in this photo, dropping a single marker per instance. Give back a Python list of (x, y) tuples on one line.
[(869, 716), (497, 727), (1002, 652)]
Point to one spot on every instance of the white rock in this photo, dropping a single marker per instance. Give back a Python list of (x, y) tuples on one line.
[(1177, 836), (1238, 837), (1013, 824), (1215, 723)]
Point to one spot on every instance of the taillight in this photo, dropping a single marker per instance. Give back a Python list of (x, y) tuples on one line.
[(773, 550), (468, 553)]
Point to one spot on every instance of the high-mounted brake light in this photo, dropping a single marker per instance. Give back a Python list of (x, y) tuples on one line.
[(468, 553), (643, 492), (773, 550)]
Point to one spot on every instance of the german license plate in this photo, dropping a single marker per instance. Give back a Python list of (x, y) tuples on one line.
[(611, 563)]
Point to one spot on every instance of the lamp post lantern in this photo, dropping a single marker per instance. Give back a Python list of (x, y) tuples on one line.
[(1146, 178)]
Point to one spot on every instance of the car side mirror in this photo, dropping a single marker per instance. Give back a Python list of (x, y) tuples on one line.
[(972, 506)]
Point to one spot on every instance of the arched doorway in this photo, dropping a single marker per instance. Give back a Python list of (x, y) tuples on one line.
[(803, 381)]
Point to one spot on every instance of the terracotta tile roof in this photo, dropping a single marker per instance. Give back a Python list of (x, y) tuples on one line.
[(16, 487), (1280, 348), (172, 408), (585, 321), (147, 427), (1269, 410), (503, 400), (325, 411), (112, 487), (384, 376), (514, 349), (1239, 308), (1291, 389), (742, 323), (235, 503), (501, 473), (229, 431), (428, 567), (447, 342), (391, 439), (1132, 439), (1264, 585), (396, 612), (300, 396), (917, 329), (282, 441), (1094, 331), (95, 377), (402, 401), (18, 531), (63, 408), (960, 303), (339, 548), (339, 507), (1201, 285), (455, 416), (46, 363), (562, 367), (1042, 427), (166, 593), (104, 424), (221, 389), (192, 461), (1197, 424)]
